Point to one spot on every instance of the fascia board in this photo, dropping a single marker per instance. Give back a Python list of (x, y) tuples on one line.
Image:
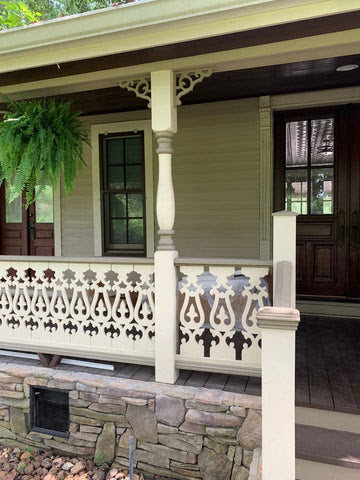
[(119, 29), (334, 44)]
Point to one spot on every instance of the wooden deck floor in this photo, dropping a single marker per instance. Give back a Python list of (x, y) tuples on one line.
[(327, 367), (229, 383), (328, 364)]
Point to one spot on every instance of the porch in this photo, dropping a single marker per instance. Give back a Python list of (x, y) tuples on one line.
[(327, 373)]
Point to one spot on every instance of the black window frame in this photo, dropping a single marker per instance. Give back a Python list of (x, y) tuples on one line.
[(128, 249)]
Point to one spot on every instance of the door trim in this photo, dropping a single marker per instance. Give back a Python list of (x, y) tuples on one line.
[(57, 222)]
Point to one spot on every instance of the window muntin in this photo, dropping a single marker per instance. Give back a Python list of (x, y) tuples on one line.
[(123, 193), (309, 169)]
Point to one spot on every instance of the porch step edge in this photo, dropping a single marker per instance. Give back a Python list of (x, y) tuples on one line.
[(345, 422), (323, 445), (307, 470)]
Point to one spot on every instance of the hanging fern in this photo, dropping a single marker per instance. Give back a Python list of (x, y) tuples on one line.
[(40, 141)]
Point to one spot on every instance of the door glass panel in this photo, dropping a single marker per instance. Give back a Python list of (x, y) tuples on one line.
[(322, 141), (322, 181), (296, 191), (296, 143), (44, 206), (13, 210)]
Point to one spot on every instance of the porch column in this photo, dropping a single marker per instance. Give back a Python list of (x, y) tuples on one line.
[(164, 125), (278, 325)]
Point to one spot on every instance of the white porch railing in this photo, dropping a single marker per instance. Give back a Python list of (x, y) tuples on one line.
[(88, 307), (219, 301)]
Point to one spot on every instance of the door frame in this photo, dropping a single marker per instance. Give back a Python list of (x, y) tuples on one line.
[(308, 100)]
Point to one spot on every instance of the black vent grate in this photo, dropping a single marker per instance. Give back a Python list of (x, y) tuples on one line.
[(50, 411)]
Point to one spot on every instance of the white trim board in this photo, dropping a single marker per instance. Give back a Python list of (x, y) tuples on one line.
[(67, 361), (96, 130), (328, 308)]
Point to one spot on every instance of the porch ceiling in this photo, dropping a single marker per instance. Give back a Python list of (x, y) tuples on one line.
[(271, 80)]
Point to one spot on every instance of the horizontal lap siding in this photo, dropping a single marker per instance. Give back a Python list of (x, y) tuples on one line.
[(77, 212), (216, 180), (77, 229)]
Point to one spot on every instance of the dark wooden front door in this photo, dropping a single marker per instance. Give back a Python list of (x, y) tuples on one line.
[(27, 232), (317, 174)]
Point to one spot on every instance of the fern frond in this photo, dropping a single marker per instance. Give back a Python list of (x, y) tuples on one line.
[(40, 141)]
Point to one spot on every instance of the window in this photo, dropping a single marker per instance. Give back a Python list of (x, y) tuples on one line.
[(123, 193), (122, 176), (309, 169)]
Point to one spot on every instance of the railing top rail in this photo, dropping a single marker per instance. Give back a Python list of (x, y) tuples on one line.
[(109, 260), (241, 262)]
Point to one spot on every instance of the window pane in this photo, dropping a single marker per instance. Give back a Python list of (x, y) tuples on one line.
[(135, 204), (133, 149), (133, 176), (115, 177), (322, 180), (13, 210), (296, 191), (117, 205), (114, 151), (296, 143), (44, 207), (118, 231), (322, 141), (136, 231)]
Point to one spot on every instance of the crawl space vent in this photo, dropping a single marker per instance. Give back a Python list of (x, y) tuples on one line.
[(49, 411)]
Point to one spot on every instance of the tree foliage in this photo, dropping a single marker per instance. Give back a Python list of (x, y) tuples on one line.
[(40, 141), (16, 14)]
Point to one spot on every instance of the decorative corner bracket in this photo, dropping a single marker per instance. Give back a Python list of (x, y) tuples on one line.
[(186, 81), (140, 86)]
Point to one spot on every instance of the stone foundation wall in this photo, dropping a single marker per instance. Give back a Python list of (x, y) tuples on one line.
[(179, 432)]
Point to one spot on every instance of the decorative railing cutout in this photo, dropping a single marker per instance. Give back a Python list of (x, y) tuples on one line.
[(217, 312), (109, 307)]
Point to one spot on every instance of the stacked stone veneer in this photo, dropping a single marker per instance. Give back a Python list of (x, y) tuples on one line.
[(180, 432)]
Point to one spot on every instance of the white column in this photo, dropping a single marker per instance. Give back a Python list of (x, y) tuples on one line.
[(284, 246), (163, 116), (278, 327)]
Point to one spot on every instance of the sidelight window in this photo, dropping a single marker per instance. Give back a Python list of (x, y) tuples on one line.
[(309, 171)]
